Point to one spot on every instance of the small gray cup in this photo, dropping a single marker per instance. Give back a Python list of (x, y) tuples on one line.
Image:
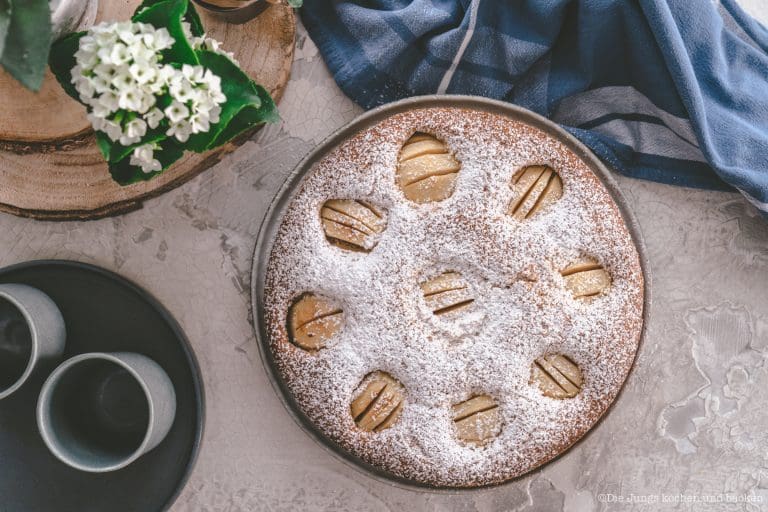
[(100, 412), (32, 335)]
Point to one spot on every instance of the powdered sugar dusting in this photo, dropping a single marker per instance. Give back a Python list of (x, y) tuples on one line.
[(521, 310)]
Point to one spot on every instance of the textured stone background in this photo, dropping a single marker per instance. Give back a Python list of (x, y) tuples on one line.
[(692, 418)]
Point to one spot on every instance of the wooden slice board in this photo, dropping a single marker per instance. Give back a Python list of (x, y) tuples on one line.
[(50, 167)]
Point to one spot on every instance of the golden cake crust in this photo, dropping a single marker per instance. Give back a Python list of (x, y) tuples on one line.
[(517, 305)]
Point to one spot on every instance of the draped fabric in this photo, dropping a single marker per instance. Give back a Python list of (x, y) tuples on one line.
[(674, 91)]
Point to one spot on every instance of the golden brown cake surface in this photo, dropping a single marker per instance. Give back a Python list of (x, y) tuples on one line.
[(469, 297)]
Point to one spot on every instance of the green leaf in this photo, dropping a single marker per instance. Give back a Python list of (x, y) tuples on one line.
[(114, 152), (105, 144), (5, 21), (194, 20), (62, 60), (28, 42), (249, 117), (124, 173), (119, 152), (247, 105), (145, 5), (191, 16), (168, 14), (295, 3), (243, 96)]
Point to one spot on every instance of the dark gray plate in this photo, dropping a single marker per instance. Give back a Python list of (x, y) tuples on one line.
[(103, 312), (284, 197)]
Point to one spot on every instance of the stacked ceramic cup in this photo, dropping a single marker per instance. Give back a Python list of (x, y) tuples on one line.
[(97, 411)]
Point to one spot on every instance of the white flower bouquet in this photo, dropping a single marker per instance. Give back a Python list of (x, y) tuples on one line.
[(156, 86)]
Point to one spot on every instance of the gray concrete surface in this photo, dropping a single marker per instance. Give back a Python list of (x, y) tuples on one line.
[(690, 424)]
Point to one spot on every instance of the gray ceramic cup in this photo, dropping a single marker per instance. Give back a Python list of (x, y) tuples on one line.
[(100, 412), (32, 335)]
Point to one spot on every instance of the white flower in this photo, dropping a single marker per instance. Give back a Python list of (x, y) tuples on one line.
[(106, 71), (143, 72), (126, 32), (84, 87), (214, 113), (150, 41), (212, 45), (199, 122), (193, 41), (193, 73), (215, 46), (143, 153), (92, 101), (155, 87), (123, 80), (216, 96), (119, 54), (96, 121), (140, 53), (99, 110), (153, 117), (183, 91), (133, 132), (135, 128), (112, 129), (203, 103), (166, 74), (144, 157), (87, 44), (205, 43), (119, 75), (130, 99), (123, 26), (177, 112), (181, 131), (128, 141), (110, 100), (212, 80), (100, 84), (160, 40), (148, 101), (103, 34), (105, 55), (143, 28), (86, 59)]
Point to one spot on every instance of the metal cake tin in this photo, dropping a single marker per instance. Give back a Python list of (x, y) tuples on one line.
[(290, 186)]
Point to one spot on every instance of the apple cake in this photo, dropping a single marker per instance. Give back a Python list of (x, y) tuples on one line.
[(453, 297)]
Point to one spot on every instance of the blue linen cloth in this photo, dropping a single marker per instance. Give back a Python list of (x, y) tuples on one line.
[(674, 91)]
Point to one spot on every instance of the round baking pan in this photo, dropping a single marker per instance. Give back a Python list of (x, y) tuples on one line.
[(282, 200), (103, 312)]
